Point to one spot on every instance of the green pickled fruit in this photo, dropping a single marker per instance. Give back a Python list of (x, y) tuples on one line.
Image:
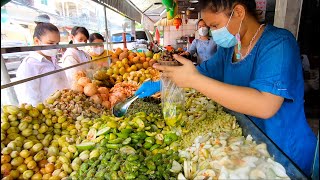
[(27, 119), (26, 132), (14, 154), (12, 130), (3, 136), (39, 156), (14, 123), (94, 154), (5, 126), (6, 150), (13, 110), (28, 145), (37, 147), (12, 117), (34, 112), (27, 174), (23, 125), (40, 106), (21, 115), (17, 161), (62, 119)]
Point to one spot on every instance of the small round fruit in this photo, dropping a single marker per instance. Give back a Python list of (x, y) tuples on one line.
[(49, 168)]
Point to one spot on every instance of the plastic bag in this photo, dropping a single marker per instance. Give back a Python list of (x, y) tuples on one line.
[(172, 97)]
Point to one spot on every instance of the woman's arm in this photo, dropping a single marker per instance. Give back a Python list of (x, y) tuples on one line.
[(241, 99), (193, 48)]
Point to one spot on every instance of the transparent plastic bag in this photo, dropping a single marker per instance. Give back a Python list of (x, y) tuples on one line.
[(172, 98)]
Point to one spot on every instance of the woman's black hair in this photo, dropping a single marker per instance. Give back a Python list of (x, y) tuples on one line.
[(75, 30), (42, 28), (95, 36), (221, 5), (200, 21), (42, 18)]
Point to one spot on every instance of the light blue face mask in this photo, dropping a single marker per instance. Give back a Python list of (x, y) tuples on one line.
[(222, 37)]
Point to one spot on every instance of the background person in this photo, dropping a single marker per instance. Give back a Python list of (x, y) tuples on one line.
[(204, 47), (40, 62), (73, 56), (98, 52)]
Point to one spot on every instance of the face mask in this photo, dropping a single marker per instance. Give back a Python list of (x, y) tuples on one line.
[(98, 50), (222, 37), (203, 31), (49, 52)]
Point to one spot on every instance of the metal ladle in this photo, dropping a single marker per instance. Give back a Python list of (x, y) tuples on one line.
[(121, 108)]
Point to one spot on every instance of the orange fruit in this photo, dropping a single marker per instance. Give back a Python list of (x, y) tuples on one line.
[(145, 65)]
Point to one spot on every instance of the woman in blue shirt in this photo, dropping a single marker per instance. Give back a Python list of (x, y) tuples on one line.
[(205, 47), (257, 72)]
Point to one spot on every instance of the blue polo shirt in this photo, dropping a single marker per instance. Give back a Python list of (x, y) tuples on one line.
[(273, 66)]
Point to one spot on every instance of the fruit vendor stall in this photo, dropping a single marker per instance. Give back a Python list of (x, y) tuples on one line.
[(74, 135)]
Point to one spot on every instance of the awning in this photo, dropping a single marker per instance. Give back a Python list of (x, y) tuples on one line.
[(124, 7)]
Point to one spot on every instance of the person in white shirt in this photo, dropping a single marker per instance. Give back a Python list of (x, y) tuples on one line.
[(40, 62), (74, 56)]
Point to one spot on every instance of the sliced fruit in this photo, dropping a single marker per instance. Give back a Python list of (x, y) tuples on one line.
[(86, 146), (151, 133), (127, 150), (103, 131), (92, 134)]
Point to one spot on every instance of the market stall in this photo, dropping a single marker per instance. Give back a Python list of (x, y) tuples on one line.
[(73, 133)]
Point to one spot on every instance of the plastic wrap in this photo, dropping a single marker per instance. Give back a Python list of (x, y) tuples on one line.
[(172, 97)]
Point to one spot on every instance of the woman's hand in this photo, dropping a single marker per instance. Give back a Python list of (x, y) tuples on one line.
[(182, 76), (184, 53)]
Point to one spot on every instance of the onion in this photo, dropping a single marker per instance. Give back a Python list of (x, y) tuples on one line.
[(104, 97), (106, 104), (103, 90), (83, 81), (76, 87), (96, 98), (90, 89)]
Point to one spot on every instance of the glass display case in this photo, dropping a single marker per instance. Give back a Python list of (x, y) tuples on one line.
[(249, 128)]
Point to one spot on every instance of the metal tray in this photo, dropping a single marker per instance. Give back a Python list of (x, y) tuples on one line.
[(249, 127)]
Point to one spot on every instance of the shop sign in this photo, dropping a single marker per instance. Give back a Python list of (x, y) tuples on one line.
[(261, 7)]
